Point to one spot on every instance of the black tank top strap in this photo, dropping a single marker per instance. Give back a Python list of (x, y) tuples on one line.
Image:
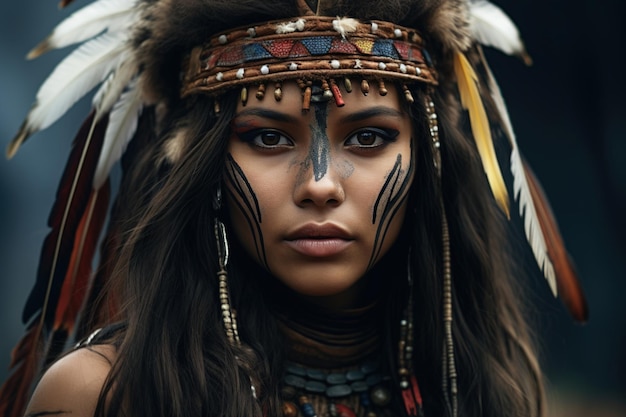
[(102, 334)]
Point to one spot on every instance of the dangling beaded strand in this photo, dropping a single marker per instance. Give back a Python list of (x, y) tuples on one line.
[(449, 382)]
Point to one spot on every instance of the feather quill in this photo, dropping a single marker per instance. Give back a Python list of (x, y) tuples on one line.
[(91, 20), (76, 281), (74, 77), (492, 27), (69, 207), (40, 307), (122, 126), (481, 130)]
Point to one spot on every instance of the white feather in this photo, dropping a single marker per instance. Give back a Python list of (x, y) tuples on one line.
[(532, 228), (111, 90), (97, 17), (521, 190), (492, 27), (120, 130), (345, 25), (75, 76)]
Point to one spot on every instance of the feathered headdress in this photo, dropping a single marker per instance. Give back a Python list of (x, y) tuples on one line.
[(134, 52)]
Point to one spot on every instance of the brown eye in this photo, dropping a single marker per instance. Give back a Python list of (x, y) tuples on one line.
[(270, 138), (266, 138), (366, 138), (371, 138)]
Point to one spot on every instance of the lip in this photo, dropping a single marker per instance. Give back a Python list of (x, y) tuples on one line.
[(319, 240)]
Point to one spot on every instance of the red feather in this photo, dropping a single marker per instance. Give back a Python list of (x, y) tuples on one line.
[(42, 344), (568, 285), (26, 360), (66, 214), (76, 282)]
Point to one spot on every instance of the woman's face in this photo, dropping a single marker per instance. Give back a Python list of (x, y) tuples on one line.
[(318, 198)]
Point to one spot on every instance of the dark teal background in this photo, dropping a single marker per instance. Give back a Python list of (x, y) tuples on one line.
[(569, 111)]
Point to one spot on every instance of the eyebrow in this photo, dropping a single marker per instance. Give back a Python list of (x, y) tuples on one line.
[(371, 112), (267, 114)]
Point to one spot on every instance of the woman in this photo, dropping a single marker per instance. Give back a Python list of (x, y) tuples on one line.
[(304, 226)]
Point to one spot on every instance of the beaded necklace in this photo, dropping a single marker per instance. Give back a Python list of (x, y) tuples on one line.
[(360, 391)]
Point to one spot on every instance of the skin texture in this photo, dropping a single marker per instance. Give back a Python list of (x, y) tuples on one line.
[(317, 198), (71, 386)]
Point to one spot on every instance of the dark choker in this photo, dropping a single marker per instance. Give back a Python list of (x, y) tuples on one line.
[(325, 339)]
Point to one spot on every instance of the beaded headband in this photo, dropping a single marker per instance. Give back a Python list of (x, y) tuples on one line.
[(308, 49)]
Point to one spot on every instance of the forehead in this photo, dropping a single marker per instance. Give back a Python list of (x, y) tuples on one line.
[(292, 99)]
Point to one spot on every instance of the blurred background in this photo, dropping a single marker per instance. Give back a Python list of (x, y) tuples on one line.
[(569, 111)]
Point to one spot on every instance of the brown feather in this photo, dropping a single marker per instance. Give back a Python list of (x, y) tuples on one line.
[(65, 3), (568, 285)]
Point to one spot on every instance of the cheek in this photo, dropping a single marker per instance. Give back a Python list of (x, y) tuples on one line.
[(387, 204)]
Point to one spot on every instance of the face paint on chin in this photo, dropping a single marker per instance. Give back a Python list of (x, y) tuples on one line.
[(390, 198)]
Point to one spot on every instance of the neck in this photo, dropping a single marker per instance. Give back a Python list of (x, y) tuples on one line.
[(336, 331)]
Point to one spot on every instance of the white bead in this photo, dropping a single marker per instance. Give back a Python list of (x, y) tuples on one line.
[(382, 65), (403, 68), (265, 70), (293, 66), (335, 64), (418, 70), (252, 32), (222, 39), (219, 76), (374, 27), (357, 64), (397, 33), (240, 73)]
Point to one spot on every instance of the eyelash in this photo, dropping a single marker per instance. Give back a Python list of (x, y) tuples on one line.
[(381, 137), (385, 136), (255, 138)]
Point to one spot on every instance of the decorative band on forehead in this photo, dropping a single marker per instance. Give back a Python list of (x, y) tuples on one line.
[(308, 49)]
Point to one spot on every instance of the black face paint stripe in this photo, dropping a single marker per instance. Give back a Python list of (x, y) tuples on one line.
[(240, 175), (381, 234), (235, 175), (255, 230), (319, 151), (393, 203), (393, 176)]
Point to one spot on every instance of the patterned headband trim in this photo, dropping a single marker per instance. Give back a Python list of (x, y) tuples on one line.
[(311, 48)]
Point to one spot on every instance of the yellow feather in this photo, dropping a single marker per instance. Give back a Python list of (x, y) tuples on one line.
[(471, 101)]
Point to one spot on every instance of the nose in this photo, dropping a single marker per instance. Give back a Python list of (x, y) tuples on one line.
[(321, 191)]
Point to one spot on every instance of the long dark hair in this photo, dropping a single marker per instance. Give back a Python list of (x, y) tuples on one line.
[(174, 359)]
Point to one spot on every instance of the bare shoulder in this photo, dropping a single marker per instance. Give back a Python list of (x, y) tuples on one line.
[(72, 385)]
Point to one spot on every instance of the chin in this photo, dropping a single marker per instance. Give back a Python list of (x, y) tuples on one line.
[(319, 283)]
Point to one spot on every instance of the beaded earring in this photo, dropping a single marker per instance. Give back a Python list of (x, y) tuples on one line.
[(449, 382), (411, 395), (229, 318)]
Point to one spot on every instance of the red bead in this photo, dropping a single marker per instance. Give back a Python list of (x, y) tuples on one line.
[(337, 94), (290, 409), (344, 411)]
